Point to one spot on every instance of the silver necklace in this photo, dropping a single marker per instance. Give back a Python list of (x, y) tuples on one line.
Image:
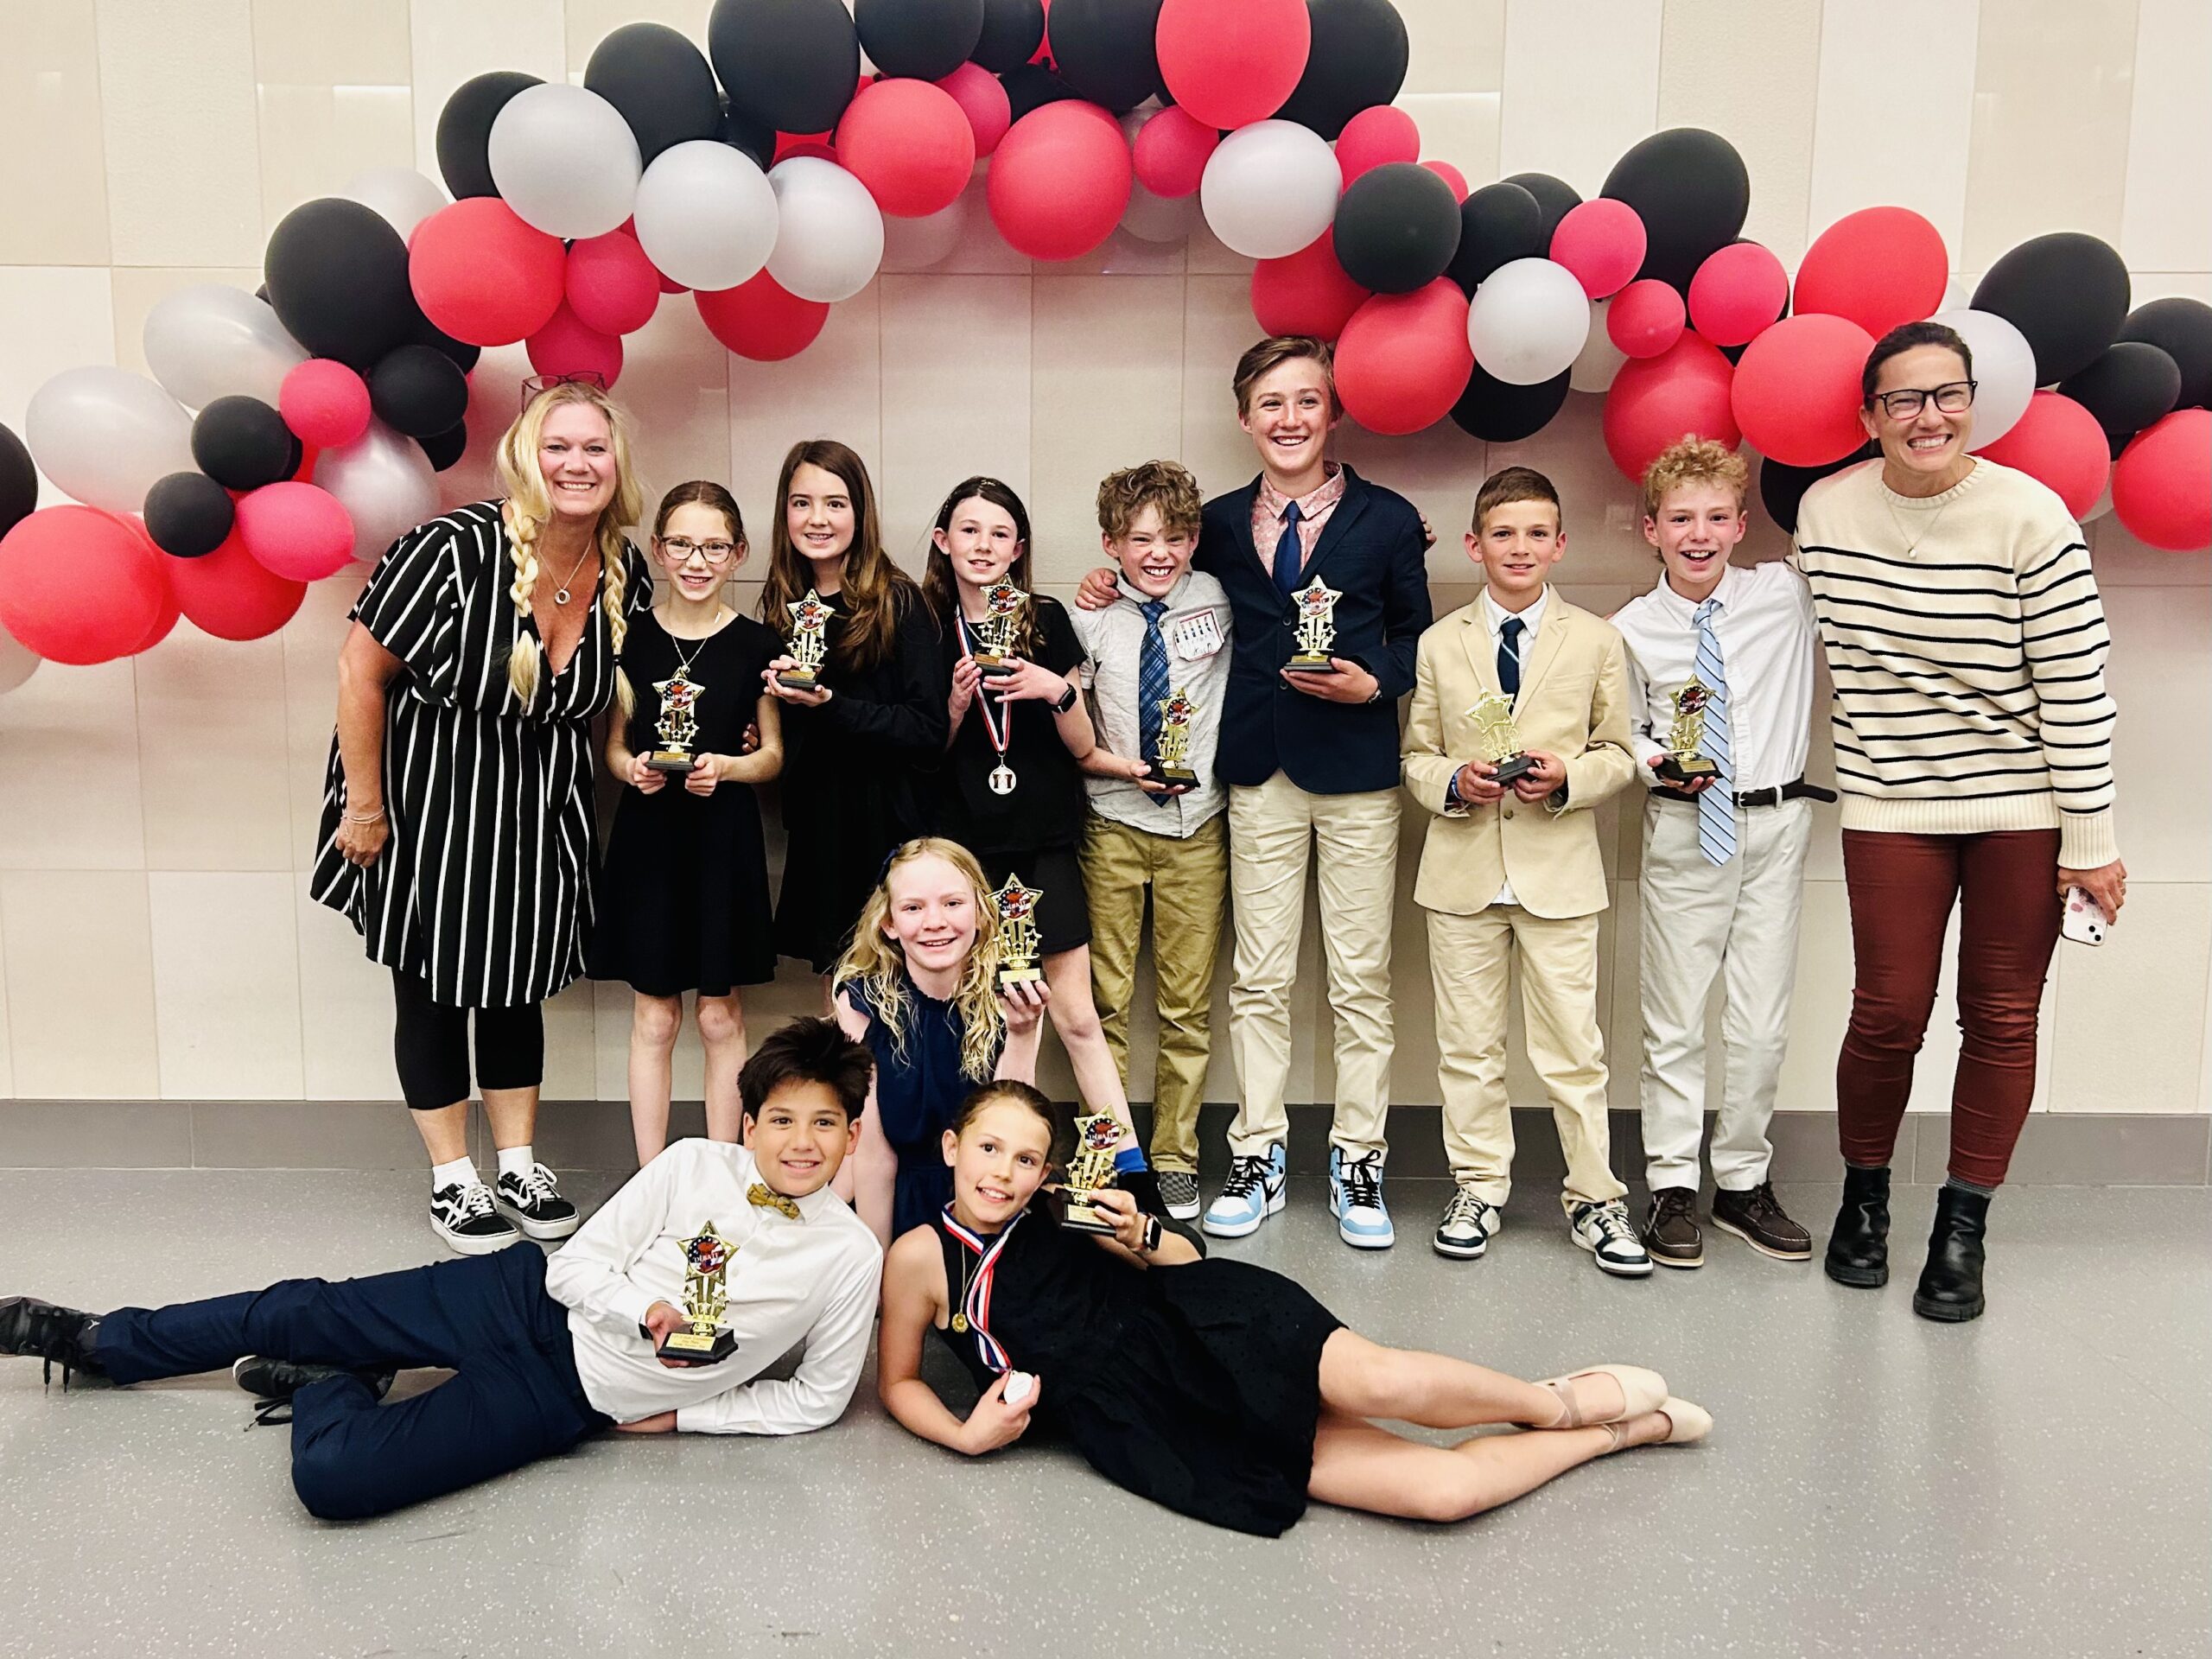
[(698, 645), (561, 594)]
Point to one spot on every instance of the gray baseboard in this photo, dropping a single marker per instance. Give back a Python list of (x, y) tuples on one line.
[(2100, 1149)]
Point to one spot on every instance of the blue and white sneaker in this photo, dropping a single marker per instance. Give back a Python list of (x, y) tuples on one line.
[(1355, 1200), (1605, 1232), (1253, 1192)]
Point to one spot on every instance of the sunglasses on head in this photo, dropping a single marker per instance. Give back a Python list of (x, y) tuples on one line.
[(538, 384)]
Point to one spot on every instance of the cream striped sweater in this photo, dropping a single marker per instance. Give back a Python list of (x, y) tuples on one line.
[(1968, 646)]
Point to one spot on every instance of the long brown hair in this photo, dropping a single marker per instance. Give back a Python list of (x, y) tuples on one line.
[(873, 588), (941, 588), (704, 493)]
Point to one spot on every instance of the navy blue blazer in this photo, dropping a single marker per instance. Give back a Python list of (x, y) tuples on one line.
[(1372, 550)]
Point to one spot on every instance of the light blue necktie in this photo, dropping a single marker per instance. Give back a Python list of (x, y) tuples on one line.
[(1716, 806)]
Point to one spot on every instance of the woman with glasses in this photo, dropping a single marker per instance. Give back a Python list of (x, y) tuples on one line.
[(1973, 752), (683, 901)]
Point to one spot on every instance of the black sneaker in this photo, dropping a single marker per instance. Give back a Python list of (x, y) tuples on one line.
[(40, 1331), (469, 1221), (533, 1203), (1178, 1190), (274, 1382), (1670, 1228), (1755, 1217)]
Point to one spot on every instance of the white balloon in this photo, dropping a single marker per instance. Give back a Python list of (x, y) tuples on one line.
[(384, 481), (565, 161), (706, 215), (1271, 188), (918, 244), (106, 435), (212, 340), (1600, 360), (17, 664), (2004, 372), (1152, 217), (1529, 321), (831, 238), (403, 196)]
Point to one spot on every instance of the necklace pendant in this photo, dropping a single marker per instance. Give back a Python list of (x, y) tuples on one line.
[(561, 595), (1001, 780), (960, 1325)]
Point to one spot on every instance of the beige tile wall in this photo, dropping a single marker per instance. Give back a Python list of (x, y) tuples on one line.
[(157, 815)]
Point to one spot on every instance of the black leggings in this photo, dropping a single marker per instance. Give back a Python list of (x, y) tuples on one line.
[(430, 1042)]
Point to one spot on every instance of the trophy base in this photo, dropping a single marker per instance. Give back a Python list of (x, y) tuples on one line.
[(991, 665), (671, 760), (1685, 768), (1176, 777), (1079, 1217), (1512, 769), (1029, 975), (697, 1347), (798, 679), (1311, 662)]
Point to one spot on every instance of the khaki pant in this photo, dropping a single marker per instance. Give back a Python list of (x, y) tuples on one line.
[(1189, 879), (1471, 959), (1273, 827)]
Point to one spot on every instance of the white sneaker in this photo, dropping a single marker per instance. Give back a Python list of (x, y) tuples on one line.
[(1605, 1232), (1469, 1224)]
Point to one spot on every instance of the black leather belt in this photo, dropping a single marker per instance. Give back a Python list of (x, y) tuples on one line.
[(1796, 790)]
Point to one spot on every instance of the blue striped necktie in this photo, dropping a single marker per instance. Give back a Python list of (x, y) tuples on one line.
[(1508, 655), (1151, 682), (1716, 806)]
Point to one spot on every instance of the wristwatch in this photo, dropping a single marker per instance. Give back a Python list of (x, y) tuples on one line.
[(1066, 701), (1150, 1240)]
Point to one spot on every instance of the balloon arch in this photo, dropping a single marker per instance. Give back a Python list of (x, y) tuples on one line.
[(285, 435)]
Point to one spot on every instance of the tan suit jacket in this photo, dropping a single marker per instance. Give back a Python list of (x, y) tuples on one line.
[(1576, 703)]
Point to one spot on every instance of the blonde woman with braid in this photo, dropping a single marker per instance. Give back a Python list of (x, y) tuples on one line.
[(919, 985), (457, 831)]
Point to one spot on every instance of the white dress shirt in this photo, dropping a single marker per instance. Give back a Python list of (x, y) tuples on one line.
[(1196, 628), (1494, 615), (1767, 638), (813, 1280)]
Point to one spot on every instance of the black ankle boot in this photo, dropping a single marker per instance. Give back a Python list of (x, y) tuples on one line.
[(43, 1331), (1950, 1284), (1859, 1248)]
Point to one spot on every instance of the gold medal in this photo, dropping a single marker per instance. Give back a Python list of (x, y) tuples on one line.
[(960, 1325)]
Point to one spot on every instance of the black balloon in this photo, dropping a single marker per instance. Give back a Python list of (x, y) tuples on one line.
[(1032, 86), (418, 389), (338, 281), (1497, 223), (1497, 413), (659, 82), (754, 137), (2067, 292), (188, 514), (464, 129), (793, 64), (1782, 488), (1358, 59), (18, 481), (2182, 329), (242, 443), (2128, 386), (1692, 191), (463, 354), (926, 40), (1397, 228), (1103, 48), (1013, 30), (1555, 196), (444, 448)]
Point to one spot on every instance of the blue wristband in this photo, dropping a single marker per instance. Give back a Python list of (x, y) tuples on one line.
[(1129, 1160)]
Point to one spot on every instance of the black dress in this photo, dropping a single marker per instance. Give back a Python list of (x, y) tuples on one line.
[(852, 789), (683, 893), (918, 1089), (483, 890), (1196, 1386)]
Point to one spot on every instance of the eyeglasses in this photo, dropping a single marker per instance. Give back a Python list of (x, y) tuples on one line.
[(1955, 397), (681, 548), (540, 384)]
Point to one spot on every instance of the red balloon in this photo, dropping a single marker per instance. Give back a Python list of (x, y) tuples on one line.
[(1378, 135), (325, 402), (2162, 484), (1060, 180), (761, 320), (568, 345), (1451, 176), (1231, 62), (816, 145), (910, 143), (1738, 291), (296, 530), (1170, 153), (1602, 241), (981, 97), (1645, 318), (483, 276), (2060, 443), (1880, 266), (1796, 392), (612, 286), (1404, 360), (232, 595), (1306, 292), (80, 586), (1656, 400)]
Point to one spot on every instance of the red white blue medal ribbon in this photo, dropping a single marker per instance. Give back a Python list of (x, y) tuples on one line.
[(998, 728), (976, 1306)]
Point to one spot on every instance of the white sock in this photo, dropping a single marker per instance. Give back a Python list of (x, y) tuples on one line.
[(516, 1160), (462, 1172)]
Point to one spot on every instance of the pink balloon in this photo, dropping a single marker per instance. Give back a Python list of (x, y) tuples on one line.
[(1231, 62), (1645, 318), (568, 345), (1375, 137), (232, 595), (1060, 180), (2162, 485), (295, 531), (1738, 291), (981, 97), (482, 274), (1170, 153), (911, 143), (1880, 266), (1403, 358), (81, 586), (1654, 401), (1795, 392), (1451, 176), (1306, 292), (325, 403), (1602, 242), (612, 286), (2059, 442)]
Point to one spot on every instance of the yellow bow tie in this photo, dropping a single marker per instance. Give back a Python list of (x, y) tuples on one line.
[(761, 1196)]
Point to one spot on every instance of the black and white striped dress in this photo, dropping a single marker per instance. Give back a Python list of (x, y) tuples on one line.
[(484, 889)]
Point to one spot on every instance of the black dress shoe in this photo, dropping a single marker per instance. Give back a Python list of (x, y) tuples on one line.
[(274, 1382), (1950, 1284), (1859, 1249), (44, 1331)]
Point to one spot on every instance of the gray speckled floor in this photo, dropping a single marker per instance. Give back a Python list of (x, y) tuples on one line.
[(2034, 1484)]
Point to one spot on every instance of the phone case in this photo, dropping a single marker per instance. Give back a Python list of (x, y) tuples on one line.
[(2084, 920)]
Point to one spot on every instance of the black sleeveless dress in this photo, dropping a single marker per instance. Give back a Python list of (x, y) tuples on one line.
[(1196, 1386)]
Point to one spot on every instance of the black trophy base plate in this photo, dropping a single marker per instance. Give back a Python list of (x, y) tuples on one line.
[(1511, 770), (994, 668), (1685, 768), (1304, 663), (1074, 1212), (668, 760), (1175, 777), (688, 1350), (798, 679)]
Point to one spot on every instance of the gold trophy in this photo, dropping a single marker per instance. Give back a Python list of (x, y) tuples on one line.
[(1682, 763), (1317, 628), (1171, 766), (1091, 1171), (1017, 912), (678, 726), (810, 642), (1495, 735), (702, 1340), (994, 635)]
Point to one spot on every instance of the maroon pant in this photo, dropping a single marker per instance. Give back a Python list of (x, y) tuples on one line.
[(1901, 890)]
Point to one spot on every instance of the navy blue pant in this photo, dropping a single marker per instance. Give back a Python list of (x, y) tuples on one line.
[(514, 1396)]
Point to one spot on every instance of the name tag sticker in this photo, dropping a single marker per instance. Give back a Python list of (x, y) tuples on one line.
[(1195, 635)]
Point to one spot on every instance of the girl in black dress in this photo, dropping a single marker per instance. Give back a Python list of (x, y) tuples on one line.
[(856, 744), (1217, 1388), (683, 893)]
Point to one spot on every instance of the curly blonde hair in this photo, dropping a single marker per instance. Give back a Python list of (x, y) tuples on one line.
[(1160, 484), (1693, 461), (530, 510), (874, 965)]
